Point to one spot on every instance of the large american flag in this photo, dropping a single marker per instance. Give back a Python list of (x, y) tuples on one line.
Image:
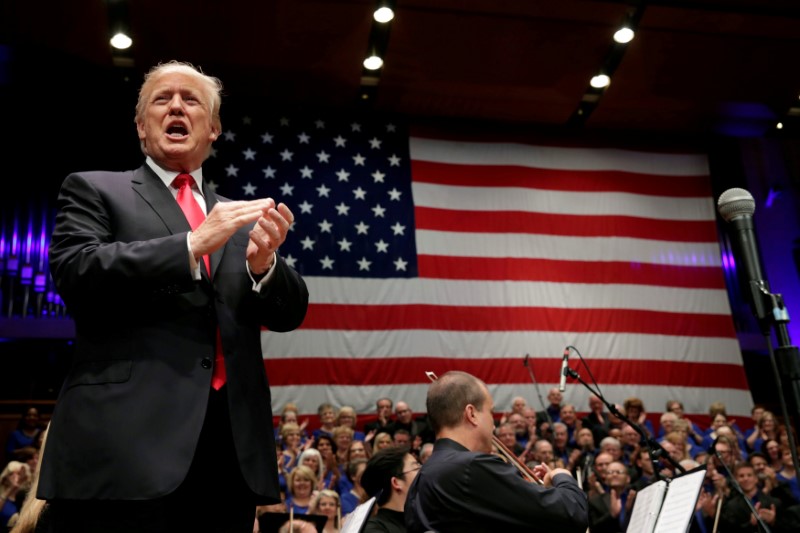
[(425, 254)]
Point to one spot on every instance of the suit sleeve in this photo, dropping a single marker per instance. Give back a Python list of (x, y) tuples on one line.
[(498, 488), (287, 298), (88, 258)]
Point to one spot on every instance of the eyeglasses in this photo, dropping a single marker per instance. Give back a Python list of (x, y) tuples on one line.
[(416, 467)]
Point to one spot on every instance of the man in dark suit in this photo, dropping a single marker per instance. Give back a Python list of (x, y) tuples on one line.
[(610, 512), (142, 437), (464, 487)]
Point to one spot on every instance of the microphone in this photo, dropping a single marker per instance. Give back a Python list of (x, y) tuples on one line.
[(712, 450), (562, 384), (525, 362), (736, 207)]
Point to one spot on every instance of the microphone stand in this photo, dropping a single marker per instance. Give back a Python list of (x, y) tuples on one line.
[(539, 392), (771, 312), (735, 485), (653, 446)]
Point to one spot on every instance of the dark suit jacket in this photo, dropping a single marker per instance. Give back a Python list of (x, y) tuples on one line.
[(459, 490), (735, 513), (600, 519), (130, 411)]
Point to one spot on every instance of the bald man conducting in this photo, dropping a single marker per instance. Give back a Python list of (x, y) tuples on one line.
[(464, 487)]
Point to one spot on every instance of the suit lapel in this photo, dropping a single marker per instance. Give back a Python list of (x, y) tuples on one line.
[(211, 201), (152, 190)]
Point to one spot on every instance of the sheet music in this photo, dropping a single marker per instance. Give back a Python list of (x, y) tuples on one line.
[(354, 522), (678, 508), (646, 507)]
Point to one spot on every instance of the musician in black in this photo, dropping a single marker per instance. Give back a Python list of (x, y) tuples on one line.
[(464, 487)]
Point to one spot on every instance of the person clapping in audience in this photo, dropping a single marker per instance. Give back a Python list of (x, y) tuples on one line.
[(327, 503), (610, 512), (301, 487)]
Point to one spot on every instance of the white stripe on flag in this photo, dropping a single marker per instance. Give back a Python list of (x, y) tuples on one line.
[(554, 157), (506, 199), (515, 294), (380, 344)]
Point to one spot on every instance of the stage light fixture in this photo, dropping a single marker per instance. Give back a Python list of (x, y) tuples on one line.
[(373, 62), (600, 81), (383, 14), (624, 35), (120, 41)]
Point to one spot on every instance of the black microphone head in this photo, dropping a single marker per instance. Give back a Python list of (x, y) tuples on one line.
[(735, 203), (712, 450), (525, 362)]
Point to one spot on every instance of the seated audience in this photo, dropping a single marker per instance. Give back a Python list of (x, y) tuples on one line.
[(597, 419), (521, 429), (569, 418), (766, 428), (736, 514), (788, 474), (383, 440), (12, 480), (290, 415), (771, 449), (561, 447), (383, 407), (644, 472), (327, 503), (327, 450), (506, 434), (425, 452), (300, 487), (633, 408), (552, 413), (342, 437), (694, 431), (356, 495), (610, 512), (327, 420), (404, 419), (313, 460), (21, 443), (347, 417)]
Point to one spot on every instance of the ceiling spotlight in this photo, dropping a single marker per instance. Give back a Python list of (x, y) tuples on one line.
[(373, 62), (623, 35), (121, 41), (779, 125), (600, 81), (383, 14)]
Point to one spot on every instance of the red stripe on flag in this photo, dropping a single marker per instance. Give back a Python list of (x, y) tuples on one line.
[(430, 218), (560, 180), (410, 370), (521, 269), (466, 318)]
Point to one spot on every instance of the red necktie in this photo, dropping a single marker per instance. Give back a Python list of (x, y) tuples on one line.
[(194, 214), (190, 207)]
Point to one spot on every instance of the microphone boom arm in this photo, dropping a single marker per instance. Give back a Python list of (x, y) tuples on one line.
[(656, 450)]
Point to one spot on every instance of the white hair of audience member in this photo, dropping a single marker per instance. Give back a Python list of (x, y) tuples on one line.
[(425, 452), (610, 441)]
